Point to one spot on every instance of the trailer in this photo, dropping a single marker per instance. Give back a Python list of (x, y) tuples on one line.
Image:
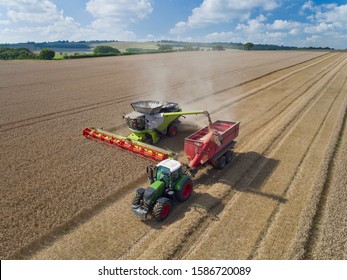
[(212, 144)]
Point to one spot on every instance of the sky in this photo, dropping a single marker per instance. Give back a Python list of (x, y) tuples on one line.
[(301, 23)]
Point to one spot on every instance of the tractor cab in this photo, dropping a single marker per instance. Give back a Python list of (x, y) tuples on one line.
[(167, 171)]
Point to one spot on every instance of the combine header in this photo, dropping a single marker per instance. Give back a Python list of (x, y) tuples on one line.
[(139, 148)]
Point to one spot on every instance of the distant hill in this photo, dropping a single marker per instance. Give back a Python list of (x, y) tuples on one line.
[(88, 46), (238, 46)]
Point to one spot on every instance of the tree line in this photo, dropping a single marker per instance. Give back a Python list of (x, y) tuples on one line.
[(8, 53)]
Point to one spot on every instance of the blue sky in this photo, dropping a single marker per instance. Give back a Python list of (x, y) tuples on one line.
[(283, 22)]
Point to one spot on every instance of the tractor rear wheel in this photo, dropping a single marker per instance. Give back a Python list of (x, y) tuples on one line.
[(229, 156), (185, 191), (162, 209), (172, 130)]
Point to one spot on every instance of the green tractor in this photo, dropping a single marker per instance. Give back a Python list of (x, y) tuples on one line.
[(168, 184), (151, 120)]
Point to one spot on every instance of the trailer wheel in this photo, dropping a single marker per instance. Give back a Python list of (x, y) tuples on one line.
[(229, 156), (162, 209), (185, 191), (221, 162), (172, 130)]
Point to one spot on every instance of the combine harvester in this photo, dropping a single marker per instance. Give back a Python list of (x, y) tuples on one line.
[(170, 180), (151, 120)]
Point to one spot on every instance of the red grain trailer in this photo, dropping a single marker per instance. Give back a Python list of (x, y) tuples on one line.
[(212, 144)]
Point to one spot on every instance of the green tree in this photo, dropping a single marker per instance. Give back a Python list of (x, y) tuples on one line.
[(106, 50), (248, 46), (15, 53), (47, 54)]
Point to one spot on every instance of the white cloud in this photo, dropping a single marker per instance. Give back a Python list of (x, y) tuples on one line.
[(319, 28), (221, 11), (284, 24), (309, 5), (326, 27), (35, 20), (327, 24), (41, 20), (333, 14), (32, 11), (221, 37), (121, 10), (112, 18), (279, 32)]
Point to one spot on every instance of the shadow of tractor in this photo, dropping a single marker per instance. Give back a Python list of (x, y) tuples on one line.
[(247, 172)]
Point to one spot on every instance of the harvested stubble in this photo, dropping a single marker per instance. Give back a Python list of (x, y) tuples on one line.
[(331, 239), (294, 217)]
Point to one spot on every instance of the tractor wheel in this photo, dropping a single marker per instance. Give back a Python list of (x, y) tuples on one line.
[(172, 130), (137, 199), (186, 191), (162, 209), (229, 156)]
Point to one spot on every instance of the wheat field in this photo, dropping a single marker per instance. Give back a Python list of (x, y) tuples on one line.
[(282, 197)]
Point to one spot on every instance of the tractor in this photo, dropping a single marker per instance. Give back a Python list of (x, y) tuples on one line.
[(168, 183)]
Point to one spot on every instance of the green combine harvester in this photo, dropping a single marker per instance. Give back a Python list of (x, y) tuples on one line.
[(151, 120)]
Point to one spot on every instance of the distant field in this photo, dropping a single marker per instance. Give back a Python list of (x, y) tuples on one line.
[(283, 196), (70, 51), (122, 46)]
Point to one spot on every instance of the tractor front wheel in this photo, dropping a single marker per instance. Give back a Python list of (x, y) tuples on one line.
[(185, 191), (162, 209), (137, 199)]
